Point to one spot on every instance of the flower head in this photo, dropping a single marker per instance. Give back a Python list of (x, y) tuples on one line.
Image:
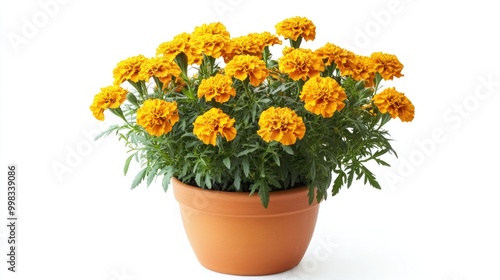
[(331, 53), (179, 44), (282, 125), (395, 103), (243, 66), (360, 68), (218, 87), (160, 67), (387, 65), (323, 96), (300, 64), (157, 116), (294, 27), (252, 44), (128, 69), (212, 123), (210, 39), (108, 97)]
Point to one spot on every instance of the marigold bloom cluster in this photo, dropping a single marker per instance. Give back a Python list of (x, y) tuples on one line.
[(319, 75)]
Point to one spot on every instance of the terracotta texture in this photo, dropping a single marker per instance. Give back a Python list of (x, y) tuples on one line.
[(233, 233)]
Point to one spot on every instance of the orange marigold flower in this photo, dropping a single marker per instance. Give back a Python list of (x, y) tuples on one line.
[(243, 66), (387, 65), (248, 44), (252, 44), (300, 64), (179, 44), (294, 27), (108, 97), (210, 39), (218, 87), (361, 68), (331, 53), (210, 45), (160, 67), (268, 39), (210, 28), (157, 116), (281, 124), (212, 123), (395, 103), (323, 96), (128, 69)]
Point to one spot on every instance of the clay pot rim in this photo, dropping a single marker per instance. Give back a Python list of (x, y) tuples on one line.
[(241, 203)]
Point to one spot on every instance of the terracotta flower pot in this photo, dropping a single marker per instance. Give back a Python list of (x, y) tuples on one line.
[(232, 233)]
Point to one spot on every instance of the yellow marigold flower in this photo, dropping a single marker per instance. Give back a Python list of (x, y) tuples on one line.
[(210, 39), (179, 44), (108, 97), (243, 45), (268, 39), (212, 123), (210, 45), (160, 67), (361, 68), (157, 116), (296, 26), (282, 125), (243, 66), (323, 96), (387, 65), (128, 69), (252, 44), (218, 87), (331, 53), (300, 64), (211, 28), (395, 103)]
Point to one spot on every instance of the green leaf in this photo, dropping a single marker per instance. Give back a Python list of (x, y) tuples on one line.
[(132, 99), (276, 159), (208, 181), (151, 175), (246, 167), (237, 180), (118, 112), (264, 194), (139, 177), (107, 132), (310, 194), (287, 149), (247, 151), (337, 184), (127, 163), (165, 182), (227, 162)]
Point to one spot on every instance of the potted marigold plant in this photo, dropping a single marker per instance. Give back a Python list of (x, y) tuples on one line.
[(221, 115)]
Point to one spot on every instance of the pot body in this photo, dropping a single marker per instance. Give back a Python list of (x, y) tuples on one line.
[(232, 233)]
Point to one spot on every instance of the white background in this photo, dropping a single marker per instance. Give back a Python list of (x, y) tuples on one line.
[(437, 217)]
